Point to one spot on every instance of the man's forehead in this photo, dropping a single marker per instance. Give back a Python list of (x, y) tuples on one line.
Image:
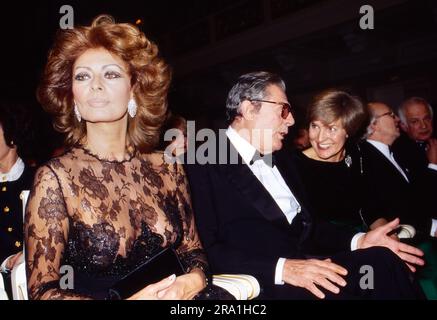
[(381, 107), (275, 90)]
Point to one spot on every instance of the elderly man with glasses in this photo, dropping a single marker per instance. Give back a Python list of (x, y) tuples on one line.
[(391, 191)]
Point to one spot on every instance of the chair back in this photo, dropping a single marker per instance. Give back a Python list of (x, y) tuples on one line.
[(19, 282)]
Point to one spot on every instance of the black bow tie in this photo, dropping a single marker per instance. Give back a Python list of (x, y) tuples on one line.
[(269, 159), (390, 149)]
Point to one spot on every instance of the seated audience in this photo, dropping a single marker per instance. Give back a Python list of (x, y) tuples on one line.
[(390, 189), (253, 214)]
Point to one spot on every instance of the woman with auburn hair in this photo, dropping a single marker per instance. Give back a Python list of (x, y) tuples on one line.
[(109, 203)]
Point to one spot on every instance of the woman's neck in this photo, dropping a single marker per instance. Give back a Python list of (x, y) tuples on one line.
[(8, 161), (107, 141)]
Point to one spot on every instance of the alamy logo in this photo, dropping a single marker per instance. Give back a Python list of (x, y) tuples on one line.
[(67, 280), (367, 21), (367, 280), (67, 20)]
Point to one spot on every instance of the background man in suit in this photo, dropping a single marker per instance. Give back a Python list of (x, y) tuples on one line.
[(391, 190), (253, 217), (416, 149), (417, 145)]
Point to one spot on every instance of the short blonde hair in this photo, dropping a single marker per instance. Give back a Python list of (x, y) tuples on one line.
[(332, 104)]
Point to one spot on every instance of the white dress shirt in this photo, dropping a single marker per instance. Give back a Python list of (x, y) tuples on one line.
[(383, 148), (275, 185)]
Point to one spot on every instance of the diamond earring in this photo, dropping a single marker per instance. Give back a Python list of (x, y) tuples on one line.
[(77, 113), (132, 108)]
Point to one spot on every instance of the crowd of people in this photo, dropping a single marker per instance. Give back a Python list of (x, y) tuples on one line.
[(302, 220)]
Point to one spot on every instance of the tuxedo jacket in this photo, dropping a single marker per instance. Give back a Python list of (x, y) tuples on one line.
[(241, 227), (410, 155), (389, 195)]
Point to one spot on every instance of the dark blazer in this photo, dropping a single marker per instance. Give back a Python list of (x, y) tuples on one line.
[(242, 228), (412, 155), (409, 153), (11, 215), (389, 195)]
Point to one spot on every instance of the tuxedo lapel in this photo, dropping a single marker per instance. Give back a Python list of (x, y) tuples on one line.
[(386, 165), (252, 189), (403, 167)]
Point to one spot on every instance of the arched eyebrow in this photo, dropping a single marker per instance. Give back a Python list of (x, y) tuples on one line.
[(103, 67)]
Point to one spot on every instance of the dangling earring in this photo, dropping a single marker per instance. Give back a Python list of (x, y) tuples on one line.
[(77, 113), (132, 108)]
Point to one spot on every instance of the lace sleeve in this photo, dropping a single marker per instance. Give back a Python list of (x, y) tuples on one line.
[(46, 233), (191, 250)]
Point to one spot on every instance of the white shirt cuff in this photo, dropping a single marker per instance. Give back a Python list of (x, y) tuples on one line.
[(432, 166), (433, 227), (278, 271), (354, 242)]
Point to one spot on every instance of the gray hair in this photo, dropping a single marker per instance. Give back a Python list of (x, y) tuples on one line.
[(372, 119), (409, 102), (250, 86)]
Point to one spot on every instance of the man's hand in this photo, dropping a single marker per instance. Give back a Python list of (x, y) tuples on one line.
[(311, 273), (379, 237), (431, 152)]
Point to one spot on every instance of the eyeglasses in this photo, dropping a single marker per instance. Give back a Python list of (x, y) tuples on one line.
[(286, 107), (389, 113)]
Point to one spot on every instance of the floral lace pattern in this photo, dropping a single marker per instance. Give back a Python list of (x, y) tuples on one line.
[(104, 218)]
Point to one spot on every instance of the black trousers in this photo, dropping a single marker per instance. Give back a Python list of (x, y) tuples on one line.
[(373, 274)]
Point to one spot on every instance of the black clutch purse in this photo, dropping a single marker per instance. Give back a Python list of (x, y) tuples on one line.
[(162, 265)]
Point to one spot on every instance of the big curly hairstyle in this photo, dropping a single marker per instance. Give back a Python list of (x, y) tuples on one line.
[(150, 79)]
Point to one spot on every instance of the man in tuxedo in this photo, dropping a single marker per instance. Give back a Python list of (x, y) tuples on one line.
[(253, 216), (390, 190)]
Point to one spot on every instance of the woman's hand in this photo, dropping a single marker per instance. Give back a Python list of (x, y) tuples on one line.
[(380, 237), (185, 287), (152, 290)]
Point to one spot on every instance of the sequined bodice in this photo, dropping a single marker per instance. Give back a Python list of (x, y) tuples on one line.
[(104, 218)]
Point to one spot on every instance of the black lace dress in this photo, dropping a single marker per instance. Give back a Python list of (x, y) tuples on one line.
[(103, 218)]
